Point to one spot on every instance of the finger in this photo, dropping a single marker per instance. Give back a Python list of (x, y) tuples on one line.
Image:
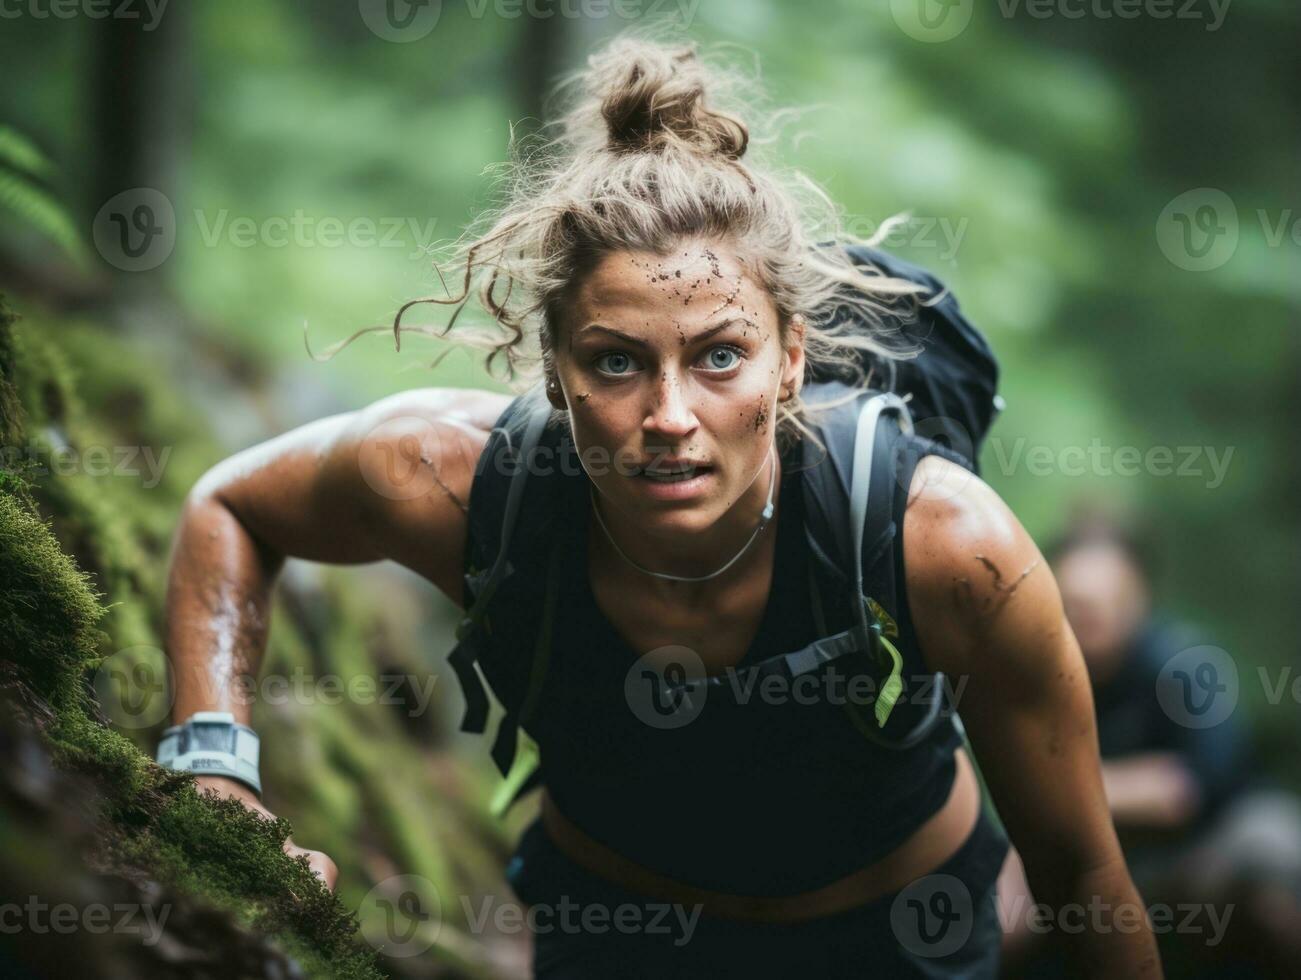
[(322, 864)]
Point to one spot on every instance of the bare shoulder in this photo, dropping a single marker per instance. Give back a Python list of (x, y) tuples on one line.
[(416, 441), (390, 480), (467, 408), (418, 451), (974, 574)]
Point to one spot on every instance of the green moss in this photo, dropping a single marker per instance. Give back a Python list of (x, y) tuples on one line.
[(363, 782), (151, 821), (48, 613)]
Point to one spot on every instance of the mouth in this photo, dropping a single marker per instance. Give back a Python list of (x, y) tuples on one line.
[(676, 483), (673, 474)]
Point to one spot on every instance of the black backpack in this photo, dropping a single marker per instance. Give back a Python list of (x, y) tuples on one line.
[(947, 393), (951, 387)]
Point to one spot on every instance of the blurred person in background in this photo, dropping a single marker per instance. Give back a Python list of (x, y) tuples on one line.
[(1197, 823)]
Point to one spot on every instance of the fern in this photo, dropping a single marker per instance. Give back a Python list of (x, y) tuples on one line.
[(23, 168)]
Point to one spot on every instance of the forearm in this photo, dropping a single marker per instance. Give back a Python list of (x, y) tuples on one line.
[(219, 588), (1100, 922)]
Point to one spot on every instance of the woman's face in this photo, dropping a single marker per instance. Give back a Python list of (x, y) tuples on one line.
[(668, 358)]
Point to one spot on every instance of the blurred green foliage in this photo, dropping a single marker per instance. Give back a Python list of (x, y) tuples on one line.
[(1037, 154)]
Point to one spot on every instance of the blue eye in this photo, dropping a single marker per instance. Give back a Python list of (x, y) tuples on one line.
[(617, 363), (723, 349), (615, 354)]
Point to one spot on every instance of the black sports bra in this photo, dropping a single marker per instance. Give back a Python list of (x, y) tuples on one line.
[(773, 796)]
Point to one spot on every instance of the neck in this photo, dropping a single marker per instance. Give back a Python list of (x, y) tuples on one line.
[(690, 554)]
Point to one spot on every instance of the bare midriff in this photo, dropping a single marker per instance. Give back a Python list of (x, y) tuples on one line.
[(929, 846)]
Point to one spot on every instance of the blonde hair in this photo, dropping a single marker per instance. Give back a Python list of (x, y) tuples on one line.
[(644, 156)]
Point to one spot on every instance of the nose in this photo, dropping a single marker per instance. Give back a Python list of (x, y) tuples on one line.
[(670, 415)]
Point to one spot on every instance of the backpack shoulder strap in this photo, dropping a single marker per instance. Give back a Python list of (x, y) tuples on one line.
[(521, 488), (503, 531), (855, 498), (885, 573)]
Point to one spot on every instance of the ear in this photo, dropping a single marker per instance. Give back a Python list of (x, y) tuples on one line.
[(793, 375), (554, 394)]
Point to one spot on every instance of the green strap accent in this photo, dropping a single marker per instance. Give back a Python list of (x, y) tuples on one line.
[(893, 685), (527, 758)]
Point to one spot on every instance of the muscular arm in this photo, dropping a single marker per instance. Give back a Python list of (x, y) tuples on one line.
[(390, 481), (993, 621)]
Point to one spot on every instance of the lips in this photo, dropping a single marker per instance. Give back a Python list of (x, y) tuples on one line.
[(684, 487), (667, 472)]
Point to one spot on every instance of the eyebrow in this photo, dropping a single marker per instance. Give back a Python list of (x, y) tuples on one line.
[(637, 341)]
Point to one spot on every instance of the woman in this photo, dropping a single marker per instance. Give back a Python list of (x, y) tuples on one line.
[(679, 305)]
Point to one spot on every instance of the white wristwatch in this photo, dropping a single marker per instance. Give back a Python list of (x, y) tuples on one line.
[(213, 743)]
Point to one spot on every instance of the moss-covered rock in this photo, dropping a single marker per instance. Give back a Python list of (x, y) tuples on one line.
[(84, 583), (149, 824)]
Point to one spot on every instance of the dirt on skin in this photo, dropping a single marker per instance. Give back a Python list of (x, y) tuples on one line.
[(992, 604)]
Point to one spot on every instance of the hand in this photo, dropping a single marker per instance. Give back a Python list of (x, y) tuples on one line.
[(320, 862), (1151, 788)]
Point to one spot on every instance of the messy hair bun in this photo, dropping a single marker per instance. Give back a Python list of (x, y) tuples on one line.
[(652, 98), (648, 153)]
